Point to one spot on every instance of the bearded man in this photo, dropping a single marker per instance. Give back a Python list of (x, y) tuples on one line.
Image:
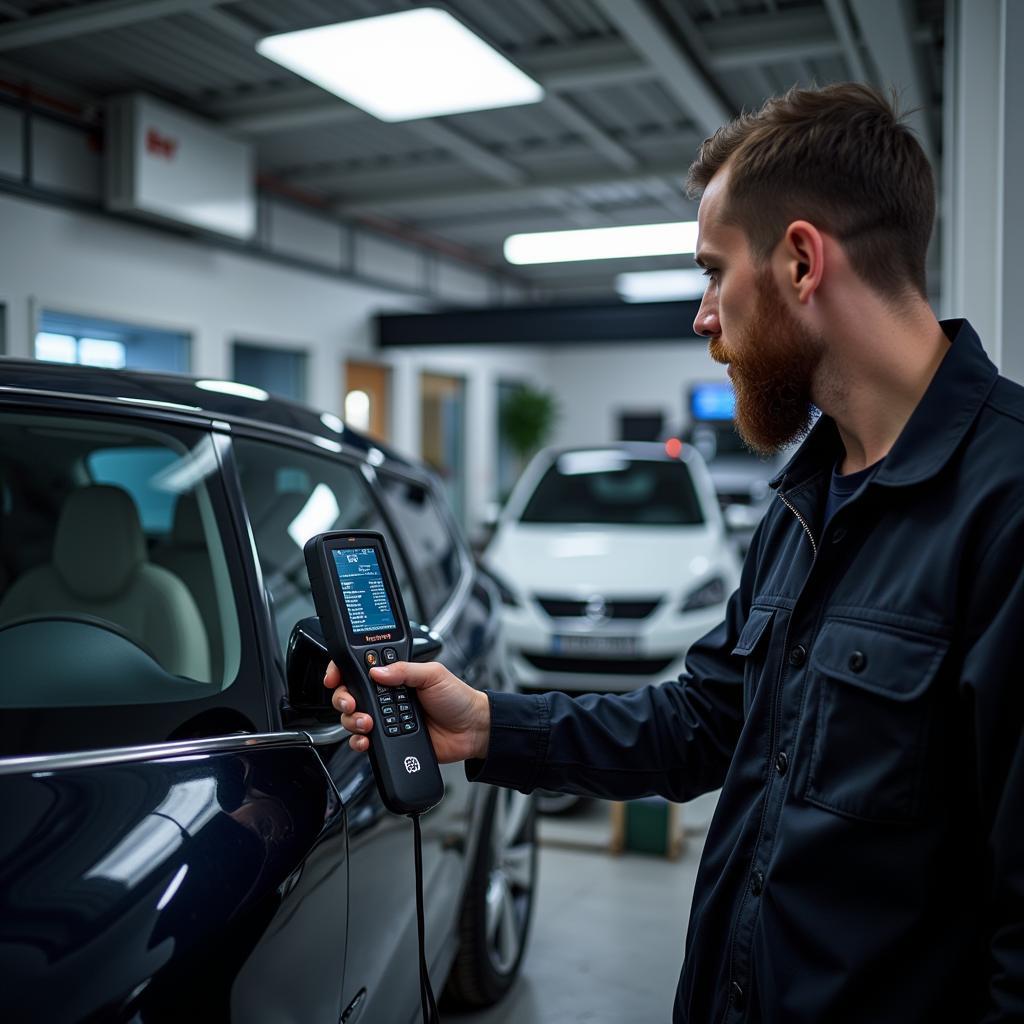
[(861, 706)]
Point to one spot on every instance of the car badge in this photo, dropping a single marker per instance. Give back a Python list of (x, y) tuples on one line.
[(596, 610)]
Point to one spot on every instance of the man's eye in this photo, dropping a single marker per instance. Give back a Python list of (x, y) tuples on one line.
[(711, 273)]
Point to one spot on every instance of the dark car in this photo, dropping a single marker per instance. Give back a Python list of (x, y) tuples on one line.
[(186, 833)]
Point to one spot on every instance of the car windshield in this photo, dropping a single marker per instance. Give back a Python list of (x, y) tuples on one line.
[(611, 488)]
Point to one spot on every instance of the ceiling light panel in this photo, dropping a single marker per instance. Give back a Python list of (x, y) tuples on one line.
[(628, 241), (399, 67), (661, 285)]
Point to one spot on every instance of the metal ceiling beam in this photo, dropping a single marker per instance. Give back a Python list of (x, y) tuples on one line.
[(93, 17), (302, 115), (837, 11), (468, 151), (537, 188), (887, 27), (570, 115), (678, 72)]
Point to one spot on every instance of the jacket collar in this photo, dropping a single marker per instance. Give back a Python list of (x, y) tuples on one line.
[(954, 398)]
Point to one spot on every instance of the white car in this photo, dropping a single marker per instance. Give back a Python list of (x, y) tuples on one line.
[(611, 562)]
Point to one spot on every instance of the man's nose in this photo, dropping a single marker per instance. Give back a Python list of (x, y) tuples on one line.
[(706, 322)]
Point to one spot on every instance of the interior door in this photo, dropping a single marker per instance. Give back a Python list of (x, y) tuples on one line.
[(368, 399)]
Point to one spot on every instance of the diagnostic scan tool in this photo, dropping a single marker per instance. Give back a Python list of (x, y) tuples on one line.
[(364, 622)]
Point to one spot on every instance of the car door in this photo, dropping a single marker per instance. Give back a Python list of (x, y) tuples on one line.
[(155, 827), (291, 493)]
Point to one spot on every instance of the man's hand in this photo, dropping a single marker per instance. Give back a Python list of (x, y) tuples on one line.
[(458, 717)]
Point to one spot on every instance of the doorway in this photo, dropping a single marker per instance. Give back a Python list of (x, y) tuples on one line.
[(367, 399), (443, 412)]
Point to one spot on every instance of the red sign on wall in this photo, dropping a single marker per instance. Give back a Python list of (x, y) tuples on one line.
[(160, 145)]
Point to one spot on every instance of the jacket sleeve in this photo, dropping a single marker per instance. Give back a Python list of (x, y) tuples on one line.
[(675, 739), (991, 681)]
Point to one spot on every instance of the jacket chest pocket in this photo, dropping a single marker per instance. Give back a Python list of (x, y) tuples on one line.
[(872, 724), (752, 646)]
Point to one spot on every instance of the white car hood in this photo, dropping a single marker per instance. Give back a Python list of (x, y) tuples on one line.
[(611, 561)]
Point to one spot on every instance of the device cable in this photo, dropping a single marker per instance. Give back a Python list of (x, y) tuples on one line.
[(427, 1004)]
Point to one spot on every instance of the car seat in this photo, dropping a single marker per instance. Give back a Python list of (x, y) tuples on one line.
[(99, 567), (186, 555)]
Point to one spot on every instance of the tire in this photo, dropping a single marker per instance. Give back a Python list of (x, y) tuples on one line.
[(549, 802), (496, 911)]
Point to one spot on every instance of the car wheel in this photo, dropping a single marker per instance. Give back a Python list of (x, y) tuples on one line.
[(496, 911), (549, 802)]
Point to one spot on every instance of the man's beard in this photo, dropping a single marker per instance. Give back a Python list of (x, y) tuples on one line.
[(772, 377)]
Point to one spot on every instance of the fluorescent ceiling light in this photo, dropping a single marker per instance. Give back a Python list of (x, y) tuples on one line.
[(419, 63), (602, 243), (661, 285)]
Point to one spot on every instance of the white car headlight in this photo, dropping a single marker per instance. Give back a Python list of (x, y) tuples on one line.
[(710, 593)]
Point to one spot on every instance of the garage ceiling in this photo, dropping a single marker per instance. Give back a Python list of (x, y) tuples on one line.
[(632, 87)]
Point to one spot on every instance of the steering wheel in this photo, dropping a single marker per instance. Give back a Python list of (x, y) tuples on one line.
[(83, 618)]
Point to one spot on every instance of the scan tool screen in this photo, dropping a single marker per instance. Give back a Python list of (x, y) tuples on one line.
[(363, 591)]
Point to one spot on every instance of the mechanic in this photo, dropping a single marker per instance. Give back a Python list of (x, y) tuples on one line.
[(861, 704)]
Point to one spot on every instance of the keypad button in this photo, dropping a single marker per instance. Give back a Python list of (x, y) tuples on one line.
[(405, 707), (408, 726), (393, 730), (391, 720), (407, 718), (388, 711), (370, 658), (389, 654)]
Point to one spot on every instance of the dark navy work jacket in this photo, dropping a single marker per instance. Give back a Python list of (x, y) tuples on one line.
[(861, 707)]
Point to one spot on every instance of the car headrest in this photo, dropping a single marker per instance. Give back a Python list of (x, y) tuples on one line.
[(99, 542), (187, 529)]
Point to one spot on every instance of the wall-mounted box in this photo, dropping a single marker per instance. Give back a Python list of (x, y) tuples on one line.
[(162, 162)]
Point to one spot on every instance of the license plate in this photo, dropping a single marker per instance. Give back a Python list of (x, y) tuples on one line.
[(621, 646)]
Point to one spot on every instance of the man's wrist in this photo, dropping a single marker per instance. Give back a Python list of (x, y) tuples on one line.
[(483, 730)]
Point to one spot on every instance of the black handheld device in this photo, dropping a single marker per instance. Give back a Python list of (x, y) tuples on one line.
[(364, 622)]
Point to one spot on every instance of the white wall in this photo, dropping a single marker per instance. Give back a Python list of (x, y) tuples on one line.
[(597, 382), (89, 264)]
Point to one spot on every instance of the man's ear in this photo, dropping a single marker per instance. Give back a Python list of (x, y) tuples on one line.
[(803, 250)]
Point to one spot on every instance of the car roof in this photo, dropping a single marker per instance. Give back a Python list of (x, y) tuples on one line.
[(630, 449), (161, 390)]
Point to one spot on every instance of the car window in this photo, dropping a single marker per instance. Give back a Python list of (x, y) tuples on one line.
[(430, 544), (607, 488), (292, 495), (112, 565)]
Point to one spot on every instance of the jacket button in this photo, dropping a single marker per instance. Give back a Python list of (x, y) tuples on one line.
[(782, 763), (757, 883), (839, 535), (798, 655), (858, 661), (736, 993)]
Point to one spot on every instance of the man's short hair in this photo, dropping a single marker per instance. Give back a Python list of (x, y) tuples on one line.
[(839, 157)]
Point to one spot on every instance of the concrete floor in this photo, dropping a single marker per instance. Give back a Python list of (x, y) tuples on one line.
[(607, 938)]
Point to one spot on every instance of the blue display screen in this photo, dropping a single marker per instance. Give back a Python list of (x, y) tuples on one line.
[(712, 401), (362, 589)]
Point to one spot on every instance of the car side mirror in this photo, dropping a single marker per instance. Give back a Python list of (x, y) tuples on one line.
[(305, 667), (307, 662), (426, 644)]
